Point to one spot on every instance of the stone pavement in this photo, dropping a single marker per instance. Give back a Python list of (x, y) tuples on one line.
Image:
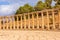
[(29, 35)]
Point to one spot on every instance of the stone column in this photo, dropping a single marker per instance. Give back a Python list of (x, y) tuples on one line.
[(59, 18), (37, 21), (24, 21), (7, 22), (0, 23), (33, 20), (4, 24), (14, 22), (21, 21), (53, 20), (47, 20), (17, 22), (29, 21), (42, 21), (10, 22)]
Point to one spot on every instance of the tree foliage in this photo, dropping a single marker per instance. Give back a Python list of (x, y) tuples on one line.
[(57, 5), (25, 9), (39, 6), (48, 3), (57, 2)]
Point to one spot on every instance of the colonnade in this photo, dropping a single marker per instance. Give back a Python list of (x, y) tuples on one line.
[(38, 20)]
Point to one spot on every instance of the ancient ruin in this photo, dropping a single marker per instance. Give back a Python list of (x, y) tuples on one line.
[(39, 20), (39, 25)]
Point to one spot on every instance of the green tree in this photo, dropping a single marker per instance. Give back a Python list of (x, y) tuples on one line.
[(58, 2), (57, 5), (28, 8), (48, 4), (39, 6), (20, 10), (25, 9)]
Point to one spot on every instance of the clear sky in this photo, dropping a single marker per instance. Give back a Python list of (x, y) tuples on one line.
[(9, 7)]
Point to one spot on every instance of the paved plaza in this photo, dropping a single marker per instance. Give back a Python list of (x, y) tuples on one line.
[(29, 35)]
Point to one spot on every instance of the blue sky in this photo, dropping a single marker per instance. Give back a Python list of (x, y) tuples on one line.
[(9, 7)]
